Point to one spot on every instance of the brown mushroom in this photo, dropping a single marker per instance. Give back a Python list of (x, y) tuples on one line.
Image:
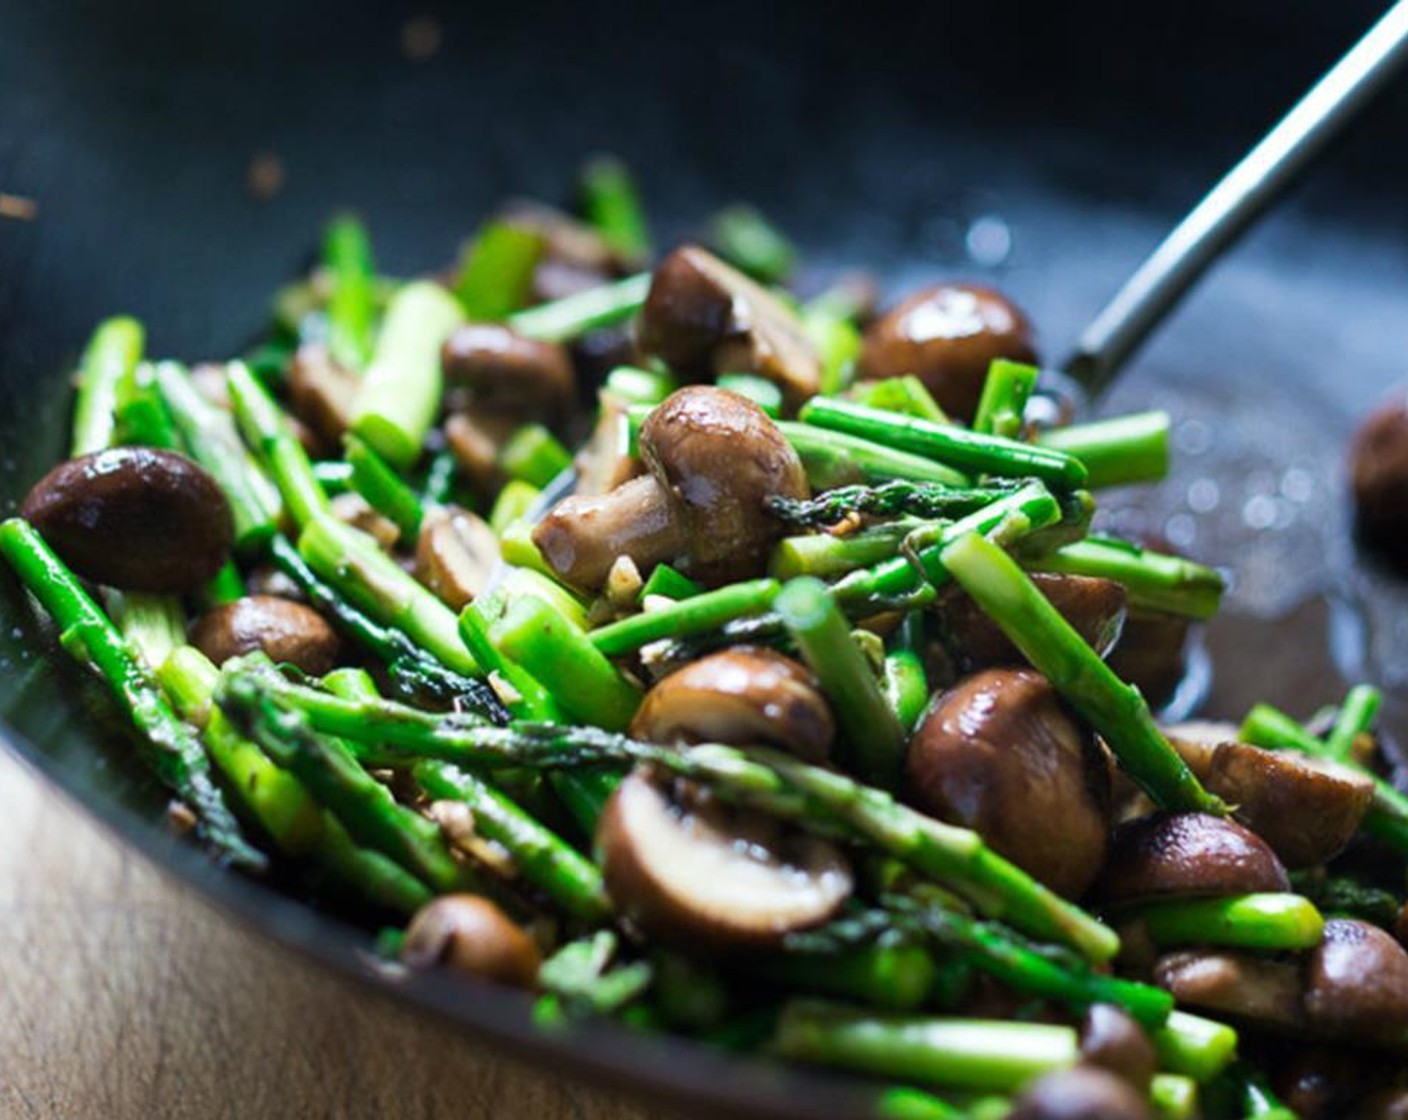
[(494, 369), (947, 335), (1079, 1093), (352, 509), (1094, 606), (134, 518), (1379, 475), (288, 632), (455, 554), (1356, 985), (475, 437), (1307, 809), (712, 877), (1187, 855), (999, 754), (714, 459), (703, 318), (1111, 1040), (1261, 990), (742, 696), (321, 392), (568, 241), (471, 935), (1152, 654)]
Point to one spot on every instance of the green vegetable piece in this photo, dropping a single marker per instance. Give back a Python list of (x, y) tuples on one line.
[(110, 358), (496, 271)]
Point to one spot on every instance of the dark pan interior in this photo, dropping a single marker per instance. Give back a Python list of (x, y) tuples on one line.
[(876, 134)]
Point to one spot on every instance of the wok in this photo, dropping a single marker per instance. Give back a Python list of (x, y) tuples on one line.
[(917, 140)]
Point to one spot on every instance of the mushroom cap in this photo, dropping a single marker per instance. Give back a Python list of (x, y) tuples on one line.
[(500, 371), (1111, 1040), (1094, 606), (947, 335), (1356, 985), (321, 393), (455, 553), (470, 935), (1186, 855), (1258, 989), (287, 632), (711, 877), (1079, 1093), (998, 753), (719, 458), (704, 318), (1307, 809), (740, 696), (135, 518), (1379, 476)]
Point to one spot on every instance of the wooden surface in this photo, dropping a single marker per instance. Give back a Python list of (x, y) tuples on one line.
[(123, 997)]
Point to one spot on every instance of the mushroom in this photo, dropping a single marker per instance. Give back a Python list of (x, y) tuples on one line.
[(455, 554), (1152, 653), (947, 335), (475, 438), (712, 877), (1079, 1093), (714, 459), (1307, 809), (740, 696), (288, 632), (1094, 606), (1112, 1041), (999, 754), (703, 318), (1379, 476), (134, 518), (352, 509), (499, 371), (568, 242), (321, 392), (1356, 986), (1262, 990), (1187, 855), (471, 935)]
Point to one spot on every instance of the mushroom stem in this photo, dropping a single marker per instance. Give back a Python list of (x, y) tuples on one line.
[(962, 1053), (1271, 922), (1051, 644), (109, 359), (267, 430), (171, 747), (696, 615), (582, 537), (1116, 452)]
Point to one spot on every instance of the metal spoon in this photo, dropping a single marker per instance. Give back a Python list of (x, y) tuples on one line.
[(1243, 195)]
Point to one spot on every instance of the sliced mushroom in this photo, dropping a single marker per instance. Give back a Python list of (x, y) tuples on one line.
[(1357, 986), (1111, 1040), (741, 696), (1379, 474), (134, 518), (288, 632), (714, 459), (704, 317), (353, 509), (455, 554), (471, 935), (1095, 607), (1080, 1093), (321, 392), (1260, 990), (999, 754), (1187, 855), (475, 438), (490, 367), (1152, 654), (713, 877), (1307, 809), (948, 335)]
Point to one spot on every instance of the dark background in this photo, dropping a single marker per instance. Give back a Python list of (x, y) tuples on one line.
[(874, 133)]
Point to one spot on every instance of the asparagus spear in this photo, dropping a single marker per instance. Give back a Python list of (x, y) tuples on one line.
[(823, 555), (1117, 451), (1194, 1046), (747, 240), (1337, 895), (1153, 580), (611, 203), (666, 581), (833, 332), (209, 435), (762, 392), (1174, 1097), (567, 318), (836, 458), (1270, 922), (1005, 393), (1356, 717), (889, 499), (268, 431), (533, 455), (904, 681), (1114, 709), (400, 395), (169, 746), (496, 271), (905, 395), (151, 625), (958, 448), (383, 489), (391, 734), (347, 256), (961, 1053), (696, 615), (110, 358), (143, 420)]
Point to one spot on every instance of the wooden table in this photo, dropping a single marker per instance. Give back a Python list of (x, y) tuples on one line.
[(122, 997)]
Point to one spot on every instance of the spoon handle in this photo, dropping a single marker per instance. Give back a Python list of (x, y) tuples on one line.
[(1241, 197)]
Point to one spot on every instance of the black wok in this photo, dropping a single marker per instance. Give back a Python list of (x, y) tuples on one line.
[(877, 134)]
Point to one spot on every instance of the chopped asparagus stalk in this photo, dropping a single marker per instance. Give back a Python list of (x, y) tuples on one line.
[(751, 243), (1153, 580), (269, 432), (1118, 451), (575, 315), (347, 256), (110, 358), (611, 203), (1270, 922), (889, 499), (383, 489), (694, 615), (533, 455), (1356, 717), (1004, 400), (496, 272), (904, 395), (1194, 1046)]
